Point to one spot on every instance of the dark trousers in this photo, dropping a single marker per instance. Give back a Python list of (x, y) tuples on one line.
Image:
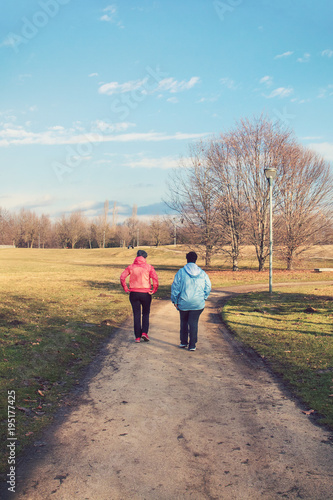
[(141, 306), (189, 326)]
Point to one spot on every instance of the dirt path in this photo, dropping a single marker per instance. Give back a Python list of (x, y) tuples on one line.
[(153, 421)]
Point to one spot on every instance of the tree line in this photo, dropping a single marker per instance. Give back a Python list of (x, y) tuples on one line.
[(26, 229), (222, 194)]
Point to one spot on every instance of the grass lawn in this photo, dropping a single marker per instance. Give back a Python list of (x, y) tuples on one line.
[(297, 343), (53, 304)]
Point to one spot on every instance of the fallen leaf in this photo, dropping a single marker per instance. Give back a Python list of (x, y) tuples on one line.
[(40, 392), (309, 412)]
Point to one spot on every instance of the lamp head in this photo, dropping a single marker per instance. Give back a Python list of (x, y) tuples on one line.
[(270, 173)]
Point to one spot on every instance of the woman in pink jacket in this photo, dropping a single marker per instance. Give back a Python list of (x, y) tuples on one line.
[(141, 274)]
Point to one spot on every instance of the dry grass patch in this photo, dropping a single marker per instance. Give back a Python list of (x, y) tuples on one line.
[(293, 332)]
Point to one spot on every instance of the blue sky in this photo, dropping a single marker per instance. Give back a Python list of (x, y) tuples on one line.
[(100, 99)]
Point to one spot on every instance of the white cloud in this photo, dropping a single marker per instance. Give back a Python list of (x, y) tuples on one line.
[(103, 162), (57, 128), (102, 126), (323, 148), (285, 54), (120, 88), (22, 199), (58, 135), (229, 83), (280, 92), (82, 206), (93, 74), (164, 163), (311, 138), (305, 58), (165, 85), (267, 80), (213, 98), (327, 53), (175, 86), (109, 15), (173, 100), (325, 92)]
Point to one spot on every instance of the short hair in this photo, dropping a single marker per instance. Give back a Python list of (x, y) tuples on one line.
[(142, 253), (191, 257)]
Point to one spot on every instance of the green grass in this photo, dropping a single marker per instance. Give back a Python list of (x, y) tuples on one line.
[(53, 303), (298, 345)]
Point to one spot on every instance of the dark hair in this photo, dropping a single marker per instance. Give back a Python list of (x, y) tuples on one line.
[(142, 253), (191, 257)]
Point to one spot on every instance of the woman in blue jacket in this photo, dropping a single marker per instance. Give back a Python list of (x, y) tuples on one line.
[(189, 291)]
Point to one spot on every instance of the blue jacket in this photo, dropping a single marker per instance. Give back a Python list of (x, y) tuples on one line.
[(190, 288)]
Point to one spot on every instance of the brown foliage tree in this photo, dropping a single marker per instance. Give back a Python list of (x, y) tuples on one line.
[(304, 202), (191, 194)]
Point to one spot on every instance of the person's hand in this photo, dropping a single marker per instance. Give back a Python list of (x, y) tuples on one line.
[(150, 292)]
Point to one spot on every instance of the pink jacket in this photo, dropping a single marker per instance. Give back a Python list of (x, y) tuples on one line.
[(141, 273)]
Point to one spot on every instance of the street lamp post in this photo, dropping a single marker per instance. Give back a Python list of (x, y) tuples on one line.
[(174, 231), (270, 175)]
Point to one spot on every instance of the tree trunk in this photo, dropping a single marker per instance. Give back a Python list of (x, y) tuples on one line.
[(290, 261), (208, 254), (261, 261), (235, 264)]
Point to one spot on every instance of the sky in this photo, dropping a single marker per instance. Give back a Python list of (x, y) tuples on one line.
[(99, 100)]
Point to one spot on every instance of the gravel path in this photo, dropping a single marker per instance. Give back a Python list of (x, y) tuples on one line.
[(152, 421)]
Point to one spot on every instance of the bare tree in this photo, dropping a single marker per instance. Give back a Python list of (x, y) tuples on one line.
[(105, 221), (70, 229), (114, 215), (192, 196), (132, 224), (304, 202), (5, 227), (159, 231), (76, 227), (229, 187), (258, 144), (26, 230), (122, 234), (44, 230), (62, 231)]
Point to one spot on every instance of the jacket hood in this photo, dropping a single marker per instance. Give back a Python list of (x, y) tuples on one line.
[(192, 269), (140, 261)]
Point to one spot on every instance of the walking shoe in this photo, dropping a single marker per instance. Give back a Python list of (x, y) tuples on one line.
[(182, 346), (192, 348), (138, 339), (145, 337)]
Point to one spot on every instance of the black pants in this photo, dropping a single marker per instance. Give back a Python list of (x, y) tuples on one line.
[(140, 301), (189, 326)]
